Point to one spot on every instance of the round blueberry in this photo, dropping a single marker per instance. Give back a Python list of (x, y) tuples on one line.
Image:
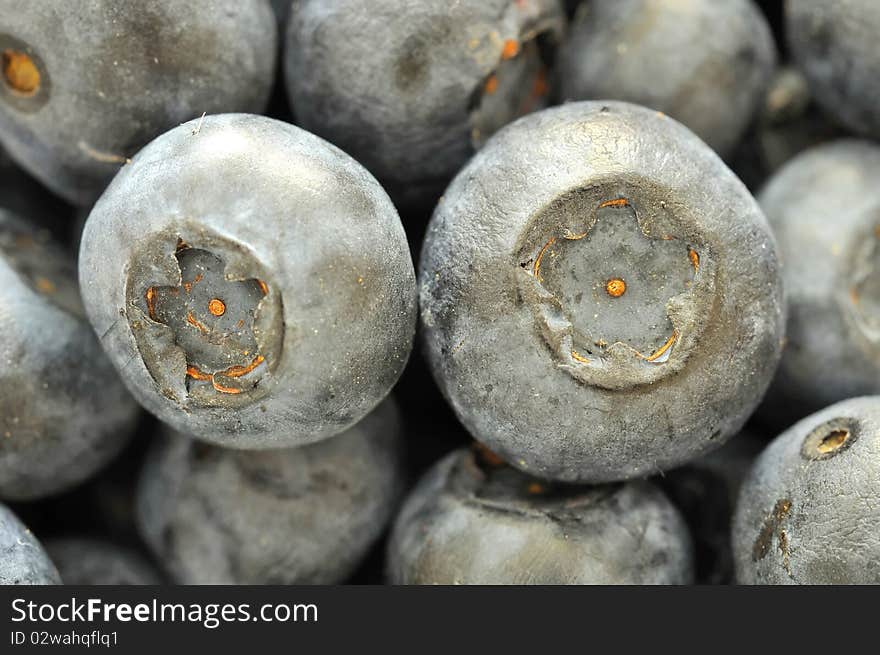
[(63, 411), (824, 207), (411, 89), (293, 516), (474, 522), (23, 559), (85, 84), (604, 305), (835, 45), (703, 62), (808, 512), (252, 283)]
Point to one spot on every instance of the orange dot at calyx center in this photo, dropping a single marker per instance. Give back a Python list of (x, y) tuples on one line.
[(217, 307), (615, 287), (21, 73)]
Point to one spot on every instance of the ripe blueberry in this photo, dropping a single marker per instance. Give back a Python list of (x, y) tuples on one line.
[(470, 522), (63, 411), (85, 85), (824, 208), (835, 45), (808, 512), (603, 306), (292, 516), (703, 62), (252, 283), (411, 89)]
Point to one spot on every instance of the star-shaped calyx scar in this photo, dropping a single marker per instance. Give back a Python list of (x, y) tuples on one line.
[(212, 320)]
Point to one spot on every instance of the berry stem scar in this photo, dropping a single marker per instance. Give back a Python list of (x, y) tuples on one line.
[(20, 72), (217, 307), (615, 287)]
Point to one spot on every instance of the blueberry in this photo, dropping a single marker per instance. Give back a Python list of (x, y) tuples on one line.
[(85, 85), (411, 89), (703, 62), (835, 45), (808, 512), (252, 283), (294, 516), (469, 522), (823, 208), (22, 558), (89, 561), (63, 412), (604, 305)]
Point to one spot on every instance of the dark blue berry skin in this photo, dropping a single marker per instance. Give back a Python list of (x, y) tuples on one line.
[(127, 72), (705, 63), (831, 274), (412, 89), (90, 561), (468, 522), (603, 306), (22, 559), (63, 411), (304, 515), (835, 45), (251, 282), (807, 512)]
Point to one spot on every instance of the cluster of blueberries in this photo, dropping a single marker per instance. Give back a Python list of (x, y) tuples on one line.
[(612, 327)]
